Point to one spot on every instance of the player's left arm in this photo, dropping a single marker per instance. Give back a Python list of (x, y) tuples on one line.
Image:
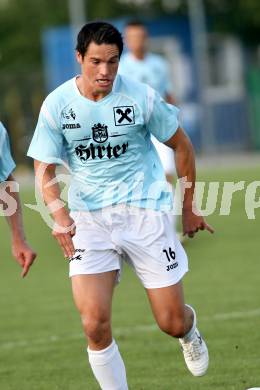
[(185, 167), (21, 250)]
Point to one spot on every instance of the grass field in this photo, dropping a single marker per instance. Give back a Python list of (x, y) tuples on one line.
[(41, 341)]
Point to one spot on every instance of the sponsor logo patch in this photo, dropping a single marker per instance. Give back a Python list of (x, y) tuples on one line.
[(124, 115)]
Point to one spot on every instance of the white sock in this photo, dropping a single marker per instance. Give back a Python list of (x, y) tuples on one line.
[(189, 336), (108, 367)]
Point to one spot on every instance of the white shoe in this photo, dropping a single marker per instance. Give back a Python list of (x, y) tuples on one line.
[(196, 354)]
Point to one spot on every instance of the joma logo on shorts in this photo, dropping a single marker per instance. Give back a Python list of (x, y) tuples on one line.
[(172, 266), (71, 126), (77, 257)]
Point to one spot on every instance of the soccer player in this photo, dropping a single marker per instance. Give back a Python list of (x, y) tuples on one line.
[(22, 252), (151, 69), (120, 206)]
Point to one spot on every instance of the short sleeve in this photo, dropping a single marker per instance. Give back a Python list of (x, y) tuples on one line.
[(7, 164), (47, 142), (162, 118)]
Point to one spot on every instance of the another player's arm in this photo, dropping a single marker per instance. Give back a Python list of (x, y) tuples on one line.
[(185, 167), (64, 228), (22, 252), (170, 99)]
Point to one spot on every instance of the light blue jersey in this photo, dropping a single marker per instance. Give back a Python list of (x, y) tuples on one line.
[(7, 164), (107, 144), (152, 70)]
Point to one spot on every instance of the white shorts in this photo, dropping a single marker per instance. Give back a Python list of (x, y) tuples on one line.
[(143, 238)]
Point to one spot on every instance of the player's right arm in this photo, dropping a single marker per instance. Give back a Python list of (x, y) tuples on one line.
[(47, 150), (63, 228)]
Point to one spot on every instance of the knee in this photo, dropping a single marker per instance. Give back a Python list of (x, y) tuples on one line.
[(96, 328), (172, 325)]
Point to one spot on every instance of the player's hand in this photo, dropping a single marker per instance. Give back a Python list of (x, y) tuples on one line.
[(192, 223), (63, 230), (24, 255)]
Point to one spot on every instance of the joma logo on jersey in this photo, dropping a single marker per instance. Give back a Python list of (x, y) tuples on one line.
[(100, 133), (71, 126)]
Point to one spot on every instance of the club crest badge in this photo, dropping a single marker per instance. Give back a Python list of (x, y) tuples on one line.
[(100, 133), (124, 115)]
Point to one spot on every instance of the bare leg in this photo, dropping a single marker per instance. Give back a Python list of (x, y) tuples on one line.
[(170, 312), (178, 320), (93, 298)]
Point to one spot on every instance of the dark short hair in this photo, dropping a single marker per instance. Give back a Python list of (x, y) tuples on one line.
[(135, 23), (99, 33)]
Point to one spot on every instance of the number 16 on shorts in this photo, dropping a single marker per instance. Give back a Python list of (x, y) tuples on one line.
[(170, 255)]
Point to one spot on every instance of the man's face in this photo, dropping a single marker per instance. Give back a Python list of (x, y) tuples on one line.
[(136, 39), (99, 67)]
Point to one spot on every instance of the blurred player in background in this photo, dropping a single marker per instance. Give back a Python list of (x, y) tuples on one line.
[(22, 252), (103, 122), (151, 69)]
